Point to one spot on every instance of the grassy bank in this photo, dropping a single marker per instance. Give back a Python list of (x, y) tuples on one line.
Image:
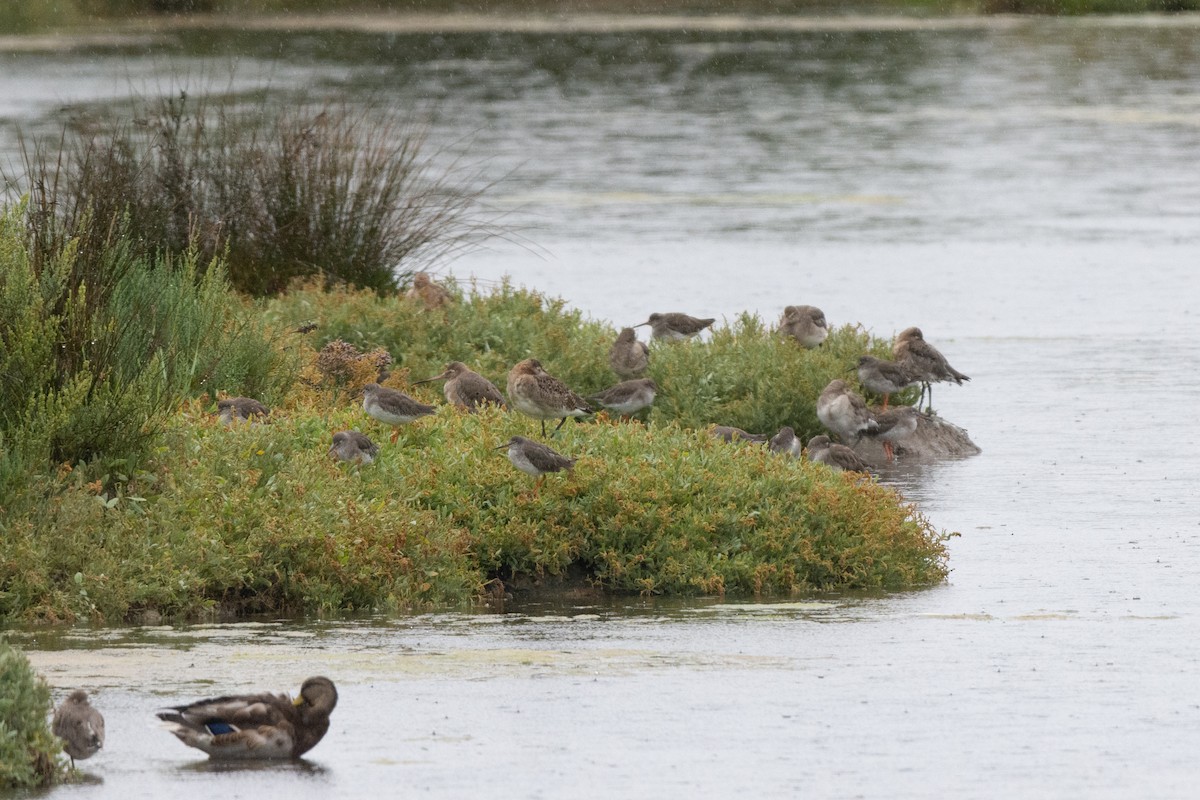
[(28, 751)]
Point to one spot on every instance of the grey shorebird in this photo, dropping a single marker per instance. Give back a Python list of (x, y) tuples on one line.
[(534, 458), (628, 355), (728, 433), (354, 447), (392, 407), (255, 726), (241, 409), (894, 426), (786, 442), (430, 294), (883, 377), (627, 397), (467, 389), (538, 394), (805, 324), (822, 451), (844, 412), (924, 362), (79, 725), (674, 327)]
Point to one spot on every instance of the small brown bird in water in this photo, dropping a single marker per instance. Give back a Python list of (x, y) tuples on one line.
[(674, 327), (728, 433), (534, 458), (786, 442), (432, 295), (538, 394), (255, 726), (392, 407), (628, 356), (79, 725), (241, 409), (805, 324), (883, 377), (466, 389), (923, 362), (628, 397), (822, 451), (354, 447)]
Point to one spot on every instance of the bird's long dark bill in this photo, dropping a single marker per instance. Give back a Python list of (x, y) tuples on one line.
[(503, 446), (441, 377), (642, 324)]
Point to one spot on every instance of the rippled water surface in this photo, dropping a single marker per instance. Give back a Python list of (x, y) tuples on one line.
[(1024, 191)]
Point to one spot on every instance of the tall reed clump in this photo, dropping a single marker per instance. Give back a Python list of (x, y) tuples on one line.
[(97, 354), (278, 191), (27, 748)]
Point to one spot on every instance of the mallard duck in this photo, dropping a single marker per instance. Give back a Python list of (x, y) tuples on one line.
[(253, 726), (80, 726)]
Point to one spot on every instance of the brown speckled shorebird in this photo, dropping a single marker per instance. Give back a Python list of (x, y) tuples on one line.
[(354, 447), (392, 407), (786, 442), (628, 356), (844, 412), (894, 426), (674, 327), (924, 362), (255, 726), (883, 377), (728, 433), (79, 725), (805, 324), (432, 295), (627, 397), (535, 459), (838, 456), (241, 409), (467, 389), (538, 394)]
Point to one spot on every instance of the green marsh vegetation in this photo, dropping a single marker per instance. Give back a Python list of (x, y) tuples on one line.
[(122, 498), (28, 751)]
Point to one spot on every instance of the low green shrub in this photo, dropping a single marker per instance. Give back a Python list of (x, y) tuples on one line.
[(28, 751)]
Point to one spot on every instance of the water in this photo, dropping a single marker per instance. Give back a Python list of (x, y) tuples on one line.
[(1024, 191)]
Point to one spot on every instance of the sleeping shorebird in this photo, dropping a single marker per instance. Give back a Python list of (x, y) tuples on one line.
[(538, 394), (844, 412), (424, 290), (894, 426), (255, 726), (805, 324), (79, 725), (785, 442), (837, 456), (923, 362), (627, 397), (883, 377), (728, 433), (674, 327), (241, 409), (354, 447), (392, 407), (628, 356), (535, 459), (467, 389)]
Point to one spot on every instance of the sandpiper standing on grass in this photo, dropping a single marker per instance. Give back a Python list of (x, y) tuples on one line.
[(535, 459), (674, 327), (728, 433), (786, 442), (241, 409), (805, 324), (392, 407), (627, 397), (80, 726), (924, 362), (538, 394), (467, 389), (354, 447), (883, 377), (894, 426), (838, 456), (628, 356), (432, 295), (844, 412)]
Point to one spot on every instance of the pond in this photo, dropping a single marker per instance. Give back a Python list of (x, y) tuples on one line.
[(1023, 190)]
